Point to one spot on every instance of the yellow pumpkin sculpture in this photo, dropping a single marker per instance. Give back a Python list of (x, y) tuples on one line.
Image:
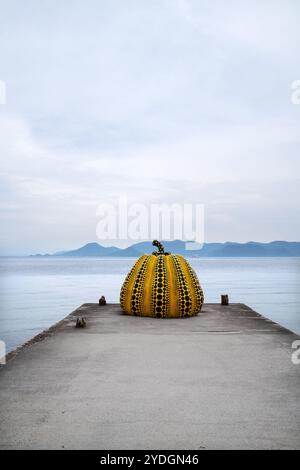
[(161, 285)]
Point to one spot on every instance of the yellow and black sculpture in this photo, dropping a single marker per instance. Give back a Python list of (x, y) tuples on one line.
[(161, 285)]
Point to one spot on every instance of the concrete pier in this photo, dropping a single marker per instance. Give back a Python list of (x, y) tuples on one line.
[(222, 380)]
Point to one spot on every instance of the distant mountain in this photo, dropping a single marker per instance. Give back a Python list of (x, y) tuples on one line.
[(90, 249), (209, 250)]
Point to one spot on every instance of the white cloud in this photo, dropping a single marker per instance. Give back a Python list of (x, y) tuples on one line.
[(158, 100)]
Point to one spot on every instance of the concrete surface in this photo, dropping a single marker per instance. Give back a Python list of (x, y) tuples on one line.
[(221, 380)]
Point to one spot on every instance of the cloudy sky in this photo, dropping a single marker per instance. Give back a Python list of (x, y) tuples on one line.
[(161, 101)]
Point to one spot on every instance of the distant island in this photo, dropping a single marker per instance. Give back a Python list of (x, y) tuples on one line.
[(209, 250)]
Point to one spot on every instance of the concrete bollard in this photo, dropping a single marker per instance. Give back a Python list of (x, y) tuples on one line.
[(80, 322), (224, 299)]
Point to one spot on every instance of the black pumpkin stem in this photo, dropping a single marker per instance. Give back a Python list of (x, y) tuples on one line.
[(161, 250)]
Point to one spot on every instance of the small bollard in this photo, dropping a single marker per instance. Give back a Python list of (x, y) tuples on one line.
[(102, 300), (224, 299), (80, 322)]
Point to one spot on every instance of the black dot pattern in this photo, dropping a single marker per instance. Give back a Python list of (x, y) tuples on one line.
[(160, 291), (184, 297), (137, 291), (123, 292), (197, 289)]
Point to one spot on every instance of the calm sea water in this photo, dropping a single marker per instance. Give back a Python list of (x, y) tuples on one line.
[(37, 292)]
